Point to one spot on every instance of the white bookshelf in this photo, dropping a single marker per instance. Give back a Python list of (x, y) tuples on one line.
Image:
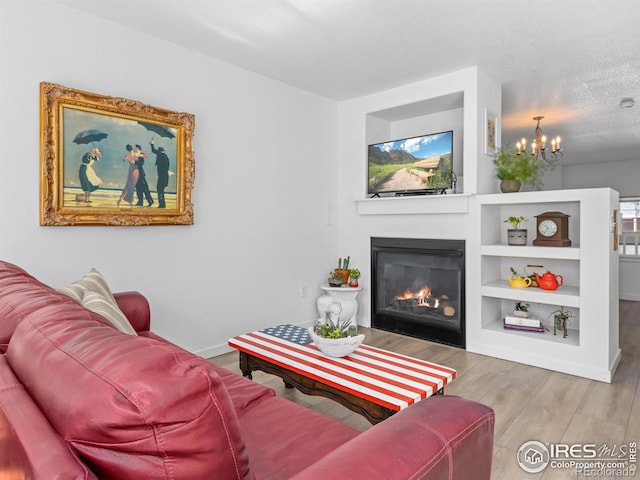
[(589, 291)]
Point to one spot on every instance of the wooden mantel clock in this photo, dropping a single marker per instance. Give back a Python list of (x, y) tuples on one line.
[(552, 230)]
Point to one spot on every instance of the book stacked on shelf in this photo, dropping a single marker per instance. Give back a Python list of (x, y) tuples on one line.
[(523, 324)]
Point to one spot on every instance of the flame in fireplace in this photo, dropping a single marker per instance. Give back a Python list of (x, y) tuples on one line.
[(423, 296)]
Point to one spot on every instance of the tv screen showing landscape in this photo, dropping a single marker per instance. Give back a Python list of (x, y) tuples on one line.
[(412, 165)]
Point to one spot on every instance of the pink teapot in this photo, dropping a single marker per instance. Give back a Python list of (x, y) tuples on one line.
[(549, 281)]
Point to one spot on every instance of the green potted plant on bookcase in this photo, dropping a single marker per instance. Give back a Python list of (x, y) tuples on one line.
[(514, 169), (515, 234)]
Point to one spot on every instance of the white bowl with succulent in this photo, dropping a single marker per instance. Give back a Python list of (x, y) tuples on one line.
[(336, 339)]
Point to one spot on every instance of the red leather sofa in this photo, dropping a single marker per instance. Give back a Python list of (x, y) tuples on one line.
[(82, 400)]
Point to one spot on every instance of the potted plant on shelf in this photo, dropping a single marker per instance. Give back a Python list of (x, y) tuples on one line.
[(353, 277), (343, 269), (518, 281), (521, 310), (514, 169), (335, 279), (561, 321), (515, 234)]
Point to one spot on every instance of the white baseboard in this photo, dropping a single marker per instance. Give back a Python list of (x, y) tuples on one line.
[(213, 351), (221, 349), (634, 297)]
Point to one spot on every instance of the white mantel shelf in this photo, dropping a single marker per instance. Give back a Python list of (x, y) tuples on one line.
[(414, 205)]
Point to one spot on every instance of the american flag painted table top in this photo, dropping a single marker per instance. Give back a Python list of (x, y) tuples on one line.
[(389, 379)]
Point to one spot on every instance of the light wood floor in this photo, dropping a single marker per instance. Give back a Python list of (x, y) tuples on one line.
[(530, 403)]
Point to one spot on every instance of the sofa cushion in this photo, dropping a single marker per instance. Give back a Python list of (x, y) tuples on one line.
[(132, 406), (22, 294), (29, 446), (245, 394), (278, 429), (92, 291)]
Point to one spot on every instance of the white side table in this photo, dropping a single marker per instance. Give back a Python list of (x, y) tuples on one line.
[(338, 303)]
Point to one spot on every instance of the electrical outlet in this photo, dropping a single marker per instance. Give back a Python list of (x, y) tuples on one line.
[(303, 291)]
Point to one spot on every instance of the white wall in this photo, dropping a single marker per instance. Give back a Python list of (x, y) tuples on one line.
[(625, 178), (266, 163), (621, 176)]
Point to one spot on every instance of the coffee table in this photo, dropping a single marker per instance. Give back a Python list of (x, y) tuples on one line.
[(373, 382)]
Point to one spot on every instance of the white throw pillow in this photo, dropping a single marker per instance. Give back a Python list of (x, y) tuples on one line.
[(92, 292), (102, 306)]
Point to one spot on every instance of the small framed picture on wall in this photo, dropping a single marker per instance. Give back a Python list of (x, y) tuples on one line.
[(490, 132)]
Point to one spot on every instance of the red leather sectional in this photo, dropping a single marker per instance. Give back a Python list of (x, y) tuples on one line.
[(81, 400)]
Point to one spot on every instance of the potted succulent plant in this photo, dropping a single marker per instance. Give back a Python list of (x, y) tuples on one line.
[(521, 310), (514, 169), (353, 277), (515, 234), (343, 269), (335, 279), (336, 339)]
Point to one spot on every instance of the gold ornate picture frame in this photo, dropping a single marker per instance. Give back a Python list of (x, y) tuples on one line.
[(113, 161)]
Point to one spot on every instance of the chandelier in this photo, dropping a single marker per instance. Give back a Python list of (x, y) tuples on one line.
[(539, 149)]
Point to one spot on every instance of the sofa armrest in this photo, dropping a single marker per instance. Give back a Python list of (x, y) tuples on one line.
[(136, 308), (442, 437)]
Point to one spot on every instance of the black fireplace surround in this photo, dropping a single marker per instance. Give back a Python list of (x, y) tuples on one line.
[(418, 288)]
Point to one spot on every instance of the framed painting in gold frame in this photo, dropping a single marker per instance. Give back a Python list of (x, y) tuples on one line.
[(113, 161)]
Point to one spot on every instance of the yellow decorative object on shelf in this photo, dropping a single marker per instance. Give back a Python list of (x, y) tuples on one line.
[(519, 282)]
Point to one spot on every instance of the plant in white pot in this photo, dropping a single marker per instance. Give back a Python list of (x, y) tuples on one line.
[(521, 310), (336, 339), (515, 234)]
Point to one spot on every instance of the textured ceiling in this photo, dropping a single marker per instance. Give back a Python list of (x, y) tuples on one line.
[(569, 60)]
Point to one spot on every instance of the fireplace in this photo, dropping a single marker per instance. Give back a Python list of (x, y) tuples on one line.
[(418, 288)]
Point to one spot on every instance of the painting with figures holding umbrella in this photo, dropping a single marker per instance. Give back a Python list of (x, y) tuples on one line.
[(113, 161)]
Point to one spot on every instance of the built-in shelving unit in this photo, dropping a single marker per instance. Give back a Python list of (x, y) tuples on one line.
[(589, 268)]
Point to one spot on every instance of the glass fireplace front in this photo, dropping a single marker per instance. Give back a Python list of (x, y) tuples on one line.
[(418, 288)]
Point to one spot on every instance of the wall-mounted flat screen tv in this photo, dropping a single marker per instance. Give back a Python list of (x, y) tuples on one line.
[(412, 166)]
